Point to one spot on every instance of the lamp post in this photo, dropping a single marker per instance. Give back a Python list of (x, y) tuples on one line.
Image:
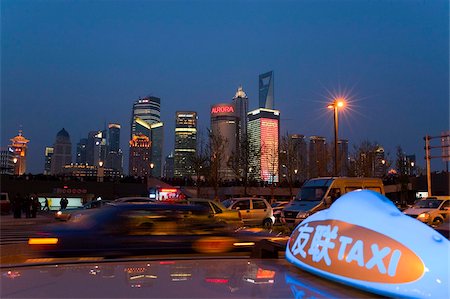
[(152, 165), (337, 103), (100, 171)]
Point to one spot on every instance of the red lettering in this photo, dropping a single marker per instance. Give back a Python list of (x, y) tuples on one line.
[(222, 109)]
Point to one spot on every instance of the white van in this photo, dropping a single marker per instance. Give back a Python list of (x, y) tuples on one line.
[(319, 193)]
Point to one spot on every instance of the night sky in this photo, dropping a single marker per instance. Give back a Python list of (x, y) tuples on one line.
[(81, 64)]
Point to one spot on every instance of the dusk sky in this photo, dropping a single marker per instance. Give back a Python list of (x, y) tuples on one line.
[(80, 64)]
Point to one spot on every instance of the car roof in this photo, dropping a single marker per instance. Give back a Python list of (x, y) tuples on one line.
[(124, 199)]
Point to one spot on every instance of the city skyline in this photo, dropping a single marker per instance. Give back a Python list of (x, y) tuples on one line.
[(395, 76)]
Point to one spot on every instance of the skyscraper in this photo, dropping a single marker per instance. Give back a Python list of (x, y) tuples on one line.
[(48, 160), (380, 165), (317, 157), (96, 148), (224, 127), (240, 102), (343, 157), (7, 165), (148, 110), (19, 146), (185, 143), (62, 152), (266, 90), (114, 152), (140, 149), (264, 132), (301, 157), (81, 157), (169, 166), (157, 138)]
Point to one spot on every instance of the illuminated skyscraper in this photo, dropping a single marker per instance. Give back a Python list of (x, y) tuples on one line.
[(224, 127), (185, 143), (264, 132), (148, 110), (96, 148), (48, 160), (317, 157), (266, 90), (140, 149), (62, 152), (19, 146), (240, 102)]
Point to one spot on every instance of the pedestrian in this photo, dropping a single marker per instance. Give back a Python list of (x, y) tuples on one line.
[(27, 206), (46, 207), (35, 205), (17, 206), (63, 203)]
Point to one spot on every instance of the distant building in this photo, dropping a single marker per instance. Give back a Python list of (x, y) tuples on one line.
[(266, 90), (224, 126), (83, 170), (114, 157), (96, 147), (185, 143), (148, 110), (240, 102), (19, 146), (318, 157), (48, 160), (7, 160), (343, 157), (169, 167), (139, 159), (380, 165), (264, 132), (301, 157), (62, 152), (81, 156)]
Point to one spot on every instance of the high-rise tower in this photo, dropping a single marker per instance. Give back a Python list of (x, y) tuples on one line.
[(185, 143), (317, 157), (266, 90), (240, 102), (19, 146), (264, 132), (62, 152), (114, 152)]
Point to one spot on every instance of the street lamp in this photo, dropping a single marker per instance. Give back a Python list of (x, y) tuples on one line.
[(100, 171), (152, 165), (337, 103)]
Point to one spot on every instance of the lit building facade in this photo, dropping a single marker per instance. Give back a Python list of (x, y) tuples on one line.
[(169, 167), (224, 125), (140, 150), (7, 160), (263, 133), (62, 152), (318, 157), (48, 160), (185, 143), (81, 156), (266, 90), (19, 146), (96, 148), (240, 102), (380, 165), (148, 110)]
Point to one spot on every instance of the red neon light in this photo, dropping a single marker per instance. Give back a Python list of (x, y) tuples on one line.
[(168, 190), (222, 109), (216, 280)]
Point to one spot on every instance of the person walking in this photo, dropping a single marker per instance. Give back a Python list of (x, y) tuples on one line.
[(63, 203), (35, 205), (46, 207), (17, 206), (27, 206)]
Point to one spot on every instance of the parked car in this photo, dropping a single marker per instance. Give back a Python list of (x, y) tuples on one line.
[(431, 210), (135, 229), (254, 210), (5, 204), (219, 211), (66, 214), (277, 208)]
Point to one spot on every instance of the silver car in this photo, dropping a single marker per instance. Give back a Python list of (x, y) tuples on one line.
[(254, 210)]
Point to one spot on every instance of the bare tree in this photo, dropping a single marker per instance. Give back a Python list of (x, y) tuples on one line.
[(241, 164), (215, 153), (363, 159)]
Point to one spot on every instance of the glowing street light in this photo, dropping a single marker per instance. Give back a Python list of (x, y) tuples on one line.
[(336, 105)]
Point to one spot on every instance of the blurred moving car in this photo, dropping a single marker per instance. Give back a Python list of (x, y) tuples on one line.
[(66, 214), (277, 208), (134, 200), (219, 211), (254, 210), (130, 229), (444, 228), (431, 210)]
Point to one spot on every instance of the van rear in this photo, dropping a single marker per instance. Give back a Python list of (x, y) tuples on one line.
[(319, 193)]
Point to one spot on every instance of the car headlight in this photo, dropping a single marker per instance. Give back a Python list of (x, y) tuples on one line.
[(303, 215), (59, 213), (424, 217)]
